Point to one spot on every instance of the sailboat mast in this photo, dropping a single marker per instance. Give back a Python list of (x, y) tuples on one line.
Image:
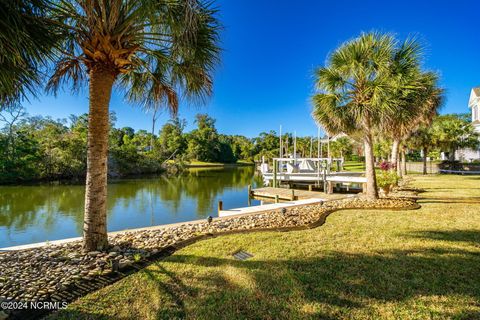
[(318, 142), (295, 146), (311, 146), (281, 143), (328, 146)]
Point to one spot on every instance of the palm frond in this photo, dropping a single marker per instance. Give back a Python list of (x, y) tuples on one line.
[(161, 50), (27, 40)]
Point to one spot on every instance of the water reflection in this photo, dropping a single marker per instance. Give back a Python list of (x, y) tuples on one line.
[(47, 212)]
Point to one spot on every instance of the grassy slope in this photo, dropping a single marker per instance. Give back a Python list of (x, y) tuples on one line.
[(360, 265)]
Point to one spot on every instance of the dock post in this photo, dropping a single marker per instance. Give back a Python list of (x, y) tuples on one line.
[(325, 180), (274, 183), (220, 205), (277, 200), (330, 187), (249, 190), (309, 187), (293, 194)]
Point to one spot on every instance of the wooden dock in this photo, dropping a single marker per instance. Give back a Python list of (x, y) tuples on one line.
[(282, 198), (268, 207), (292, 194)]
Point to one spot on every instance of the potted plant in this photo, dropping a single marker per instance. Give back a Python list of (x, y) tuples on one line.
[(387, 178)]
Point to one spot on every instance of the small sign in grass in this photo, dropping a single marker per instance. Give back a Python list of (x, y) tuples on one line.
[(242, 255)]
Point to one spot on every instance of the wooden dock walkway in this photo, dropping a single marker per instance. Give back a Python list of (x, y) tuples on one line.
[(292, 194), (284, 198), (268, 207)]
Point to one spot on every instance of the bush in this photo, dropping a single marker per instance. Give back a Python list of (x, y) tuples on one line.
[(388, 177), (450, 165)]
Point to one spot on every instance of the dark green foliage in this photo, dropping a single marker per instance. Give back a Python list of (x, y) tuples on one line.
[(226, 154), (38, 148), (171, 139), (19, 160), (203, 142)]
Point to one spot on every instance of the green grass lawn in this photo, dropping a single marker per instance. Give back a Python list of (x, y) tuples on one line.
[(354, 166), (420, 264)]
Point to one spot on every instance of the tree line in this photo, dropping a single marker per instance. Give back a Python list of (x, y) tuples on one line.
[(41, 148)]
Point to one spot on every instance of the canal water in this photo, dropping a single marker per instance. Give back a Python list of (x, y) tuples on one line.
[(35, 213)]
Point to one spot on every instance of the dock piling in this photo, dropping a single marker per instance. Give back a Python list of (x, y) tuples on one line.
[(277, 198), (325, 180), (274, 181), (293, 194), (220, 205)]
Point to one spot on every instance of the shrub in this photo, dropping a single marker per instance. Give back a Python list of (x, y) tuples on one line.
[(387, 166), (387, 179)]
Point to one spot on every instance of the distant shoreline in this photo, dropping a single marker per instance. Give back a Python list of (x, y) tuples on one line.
[(218, 165)]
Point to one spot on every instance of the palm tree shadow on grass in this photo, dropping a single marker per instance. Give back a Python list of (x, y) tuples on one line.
[(325, 287), (469, 236), (448, 201), (340, 283), (172, 288)]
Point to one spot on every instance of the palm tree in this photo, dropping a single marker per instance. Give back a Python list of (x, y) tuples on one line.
[(27, 37), (342, 146), (453, 132), (355, 92), (424, 139), (152, 92), (131, 43), (416, 103), (430, 100), (406, 69)]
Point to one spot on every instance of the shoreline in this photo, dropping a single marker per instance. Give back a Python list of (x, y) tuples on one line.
[(81, 181), (242, 213), (219, 165)]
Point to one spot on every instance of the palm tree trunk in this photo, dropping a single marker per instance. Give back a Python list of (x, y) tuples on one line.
[(425, 160), (452, 154), (403, 166), (394, 156), (95, 225), (372, 192)]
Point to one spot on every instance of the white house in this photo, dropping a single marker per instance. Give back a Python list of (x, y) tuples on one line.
[(474, 105)]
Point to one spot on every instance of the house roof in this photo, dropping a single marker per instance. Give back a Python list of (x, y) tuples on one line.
[(476, 91), (474, 97)]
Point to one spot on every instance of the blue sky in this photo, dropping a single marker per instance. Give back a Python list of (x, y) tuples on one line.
[(271, 49)]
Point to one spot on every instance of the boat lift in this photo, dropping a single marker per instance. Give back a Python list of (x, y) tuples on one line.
[(314, 172), (319, 171)]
